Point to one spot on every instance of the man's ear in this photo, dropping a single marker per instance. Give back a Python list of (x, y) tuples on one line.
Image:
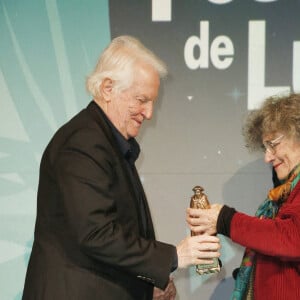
[(106, 89)]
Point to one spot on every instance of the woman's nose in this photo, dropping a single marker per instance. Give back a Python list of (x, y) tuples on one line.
[(268, 156)]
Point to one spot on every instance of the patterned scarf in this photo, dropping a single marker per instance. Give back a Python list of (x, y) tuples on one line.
[(267, 210)]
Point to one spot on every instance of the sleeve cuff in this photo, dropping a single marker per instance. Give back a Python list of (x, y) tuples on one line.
[(224, 220), (175, 263)]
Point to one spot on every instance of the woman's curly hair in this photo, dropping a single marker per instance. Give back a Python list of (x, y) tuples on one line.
[(277, 114)]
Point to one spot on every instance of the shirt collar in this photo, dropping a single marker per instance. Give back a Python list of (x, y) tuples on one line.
[(129, 148)]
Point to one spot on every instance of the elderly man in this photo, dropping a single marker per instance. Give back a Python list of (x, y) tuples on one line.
[(94, 237)]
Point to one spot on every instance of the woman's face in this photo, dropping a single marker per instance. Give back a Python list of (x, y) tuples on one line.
[(282, 153)]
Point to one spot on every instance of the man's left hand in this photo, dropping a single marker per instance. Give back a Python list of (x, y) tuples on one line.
[(168, 294)]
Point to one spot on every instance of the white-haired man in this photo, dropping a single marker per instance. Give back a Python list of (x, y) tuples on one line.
[(94, 237)]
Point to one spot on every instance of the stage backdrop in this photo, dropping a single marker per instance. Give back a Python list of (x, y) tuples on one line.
[(224, 58)]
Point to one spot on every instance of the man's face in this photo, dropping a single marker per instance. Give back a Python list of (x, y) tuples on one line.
[(130, 107)]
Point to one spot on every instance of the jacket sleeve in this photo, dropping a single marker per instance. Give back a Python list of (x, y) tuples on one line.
[(88, 175), (278, 237)]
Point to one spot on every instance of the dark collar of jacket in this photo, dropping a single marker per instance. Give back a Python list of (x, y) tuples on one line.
[(99, 117), (130, 148)]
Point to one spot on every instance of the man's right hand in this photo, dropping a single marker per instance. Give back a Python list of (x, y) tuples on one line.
[(198, 249)]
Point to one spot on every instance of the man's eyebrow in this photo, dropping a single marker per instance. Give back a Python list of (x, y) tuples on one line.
[(144, 97)]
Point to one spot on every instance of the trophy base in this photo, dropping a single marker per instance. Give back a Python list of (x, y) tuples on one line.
[(209, 268)]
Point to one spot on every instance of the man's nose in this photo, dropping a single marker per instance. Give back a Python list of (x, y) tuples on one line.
[(148, 110)]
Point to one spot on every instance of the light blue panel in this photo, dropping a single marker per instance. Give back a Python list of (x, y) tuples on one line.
[(47, 48)]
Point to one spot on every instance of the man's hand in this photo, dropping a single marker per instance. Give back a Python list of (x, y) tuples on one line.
[(198, 249), (168, 294)]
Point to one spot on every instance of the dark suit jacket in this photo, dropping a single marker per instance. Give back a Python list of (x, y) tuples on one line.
[(89, 241)]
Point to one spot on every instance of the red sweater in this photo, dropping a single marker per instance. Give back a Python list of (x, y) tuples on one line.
[(277, 246)]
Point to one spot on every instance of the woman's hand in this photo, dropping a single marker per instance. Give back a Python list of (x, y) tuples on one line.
[(203, 221)]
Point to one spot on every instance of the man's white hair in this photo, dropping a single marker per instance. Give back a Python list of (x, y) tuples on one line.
[(117, 63)]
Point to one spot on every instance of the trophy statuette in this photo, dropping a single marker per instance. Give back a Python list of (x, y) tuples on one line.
[(200, 200)]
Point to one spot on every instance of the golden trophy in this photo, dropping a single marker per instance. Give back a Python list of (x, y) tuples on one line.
[(200, 200)]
